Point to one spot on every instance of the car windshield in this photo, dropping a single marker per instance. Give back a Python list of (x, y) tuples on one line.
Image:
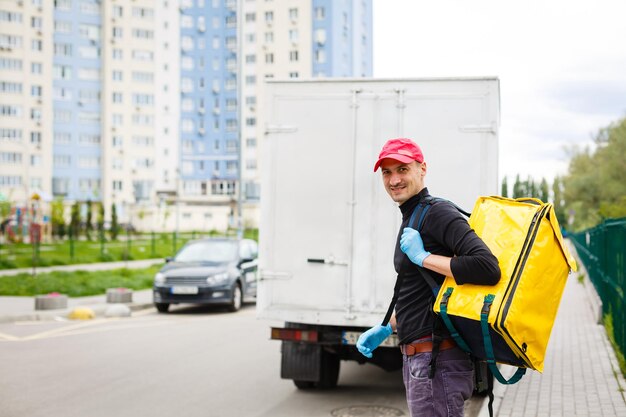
[(208, 251)]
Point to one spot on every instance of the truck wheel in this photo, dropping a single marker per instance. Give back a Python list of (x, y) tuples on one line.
[(304, 384), (329, 374), (237, 300), (162, 307)]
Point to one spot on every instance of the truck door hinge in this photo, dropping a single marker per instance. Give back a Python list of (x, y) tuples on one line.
[(485, 128)]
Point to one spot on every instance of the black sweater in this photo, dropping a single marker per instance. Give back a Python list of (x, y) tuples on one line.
[(444, 232)]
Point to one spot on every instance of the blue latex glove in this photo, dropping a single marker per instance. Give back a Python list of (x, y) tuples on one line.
[(372, 338), (411, 244)]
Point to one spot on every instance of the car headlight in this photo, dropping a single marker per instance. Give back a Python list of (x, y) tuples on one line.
[(217, 279), (159, 278)]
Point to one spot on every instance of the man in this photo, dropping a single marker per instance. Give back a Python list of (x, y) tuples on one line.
[(447, 246)]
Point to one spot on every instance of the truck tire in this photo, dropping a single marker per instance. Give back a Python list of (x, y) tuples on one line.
[(304, 385), (162, 307), (329, 372)]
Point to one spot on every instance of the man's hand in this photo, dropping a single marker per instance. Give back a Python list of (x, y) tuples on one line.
[(411, 244), (372, 338)]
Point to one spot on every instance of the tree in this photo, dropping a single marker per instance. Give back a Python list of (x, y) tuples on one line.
[(88, 220), (75, 220), (505, 188), (531, 188), (115, 227), (557, 198), (518, 188), (57, 217), (100, 219), (594, 187), (544, 193)]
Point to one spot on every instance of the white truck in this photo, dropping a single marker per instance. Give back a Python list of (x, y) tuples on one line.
[(328, 228)]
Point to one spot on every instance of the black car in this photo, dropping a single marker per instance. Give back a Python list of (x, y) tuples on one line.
[(208, 271)]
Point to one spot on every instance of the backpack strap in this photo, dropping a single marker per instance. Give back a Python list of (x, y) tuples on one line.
[(418, 213)]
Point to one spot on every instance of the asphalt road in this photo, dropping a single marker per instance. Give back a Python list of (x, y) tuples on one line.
[(192, 362)]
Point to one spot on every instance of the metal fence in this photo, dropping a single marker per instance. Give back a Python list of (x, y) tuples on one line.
[(602, 250)]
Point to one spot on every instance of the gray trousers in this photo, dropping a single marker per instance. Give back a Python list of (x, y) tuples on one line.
[(445, 394)]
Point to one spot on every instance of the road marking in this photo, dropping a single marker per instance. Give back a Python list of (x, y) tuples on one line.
[(8, 337), (64, 329)]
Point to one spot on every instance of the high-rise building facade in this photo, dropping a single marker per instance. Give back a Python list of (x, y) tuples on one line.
[(155, 106), (267, 39)]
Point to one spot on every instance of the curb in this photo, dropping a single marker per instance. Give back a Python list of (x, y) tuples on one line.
[(56, 315)]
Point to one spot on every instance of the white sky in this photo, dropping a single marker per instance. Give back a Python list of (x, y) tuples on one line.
[(561, 65)]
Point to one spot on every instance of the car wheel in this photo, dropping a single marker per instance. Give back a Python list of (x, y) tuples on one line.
[(162, 307), (237, 300)]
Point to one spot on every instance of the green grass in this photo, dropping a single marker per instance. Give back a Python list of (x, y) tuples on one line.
[(78, 283), (142, 246), (608, 325)]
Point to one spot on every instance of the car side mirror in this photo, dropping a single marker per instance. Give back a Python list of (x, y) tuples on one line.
[(169, 259), (244, 260)]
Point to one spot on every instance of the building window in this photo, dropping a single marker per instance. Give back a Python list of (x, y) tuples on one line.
[(35, 138), (117, 98), (62, 116), (63, 49), (11, 135), (250, 59), (10, 41), (62, 138), (143, 55), (61, 26), (320, 56), (36, 45), (320, 13), (251, 142), (143, 34), (117, 54), (269, 17), (293, 35), (11, 64), (250, 121), (10, 87), (251, 79), (250, 17), (10, 157), (269, 37), (269, 58), (293, 14), (117, 75), (293, 74), (118, 11), (62, 161), (117, 185), (293, 56), (117, 32)]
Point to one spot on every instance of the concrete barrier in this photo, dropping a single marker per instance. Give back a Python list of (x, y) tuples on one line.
[(119, 295), (52, 301)]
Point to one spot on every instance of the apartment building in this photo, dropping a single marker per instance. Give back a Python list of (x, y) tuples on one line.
[(155, 106), (25, 99), (274, 40)]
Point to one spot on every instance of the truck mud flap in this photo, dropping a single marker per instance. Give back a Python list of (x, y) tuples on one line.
[(301, 361)]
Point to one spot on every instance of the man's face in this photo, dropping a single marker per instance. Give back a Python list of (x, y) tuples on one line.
[(402, 181)]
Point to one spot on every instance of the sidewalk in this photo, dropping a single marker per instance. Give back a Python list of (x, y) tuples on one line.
[(581, 375), (14, 309), (102, 266)]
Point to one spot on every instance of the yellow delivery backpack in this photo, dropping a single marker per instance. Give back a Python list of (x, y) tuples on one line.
[(511, 321)]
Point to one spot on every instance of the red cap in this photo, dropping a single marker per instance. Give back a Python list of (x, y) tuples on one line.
[(401, 149)]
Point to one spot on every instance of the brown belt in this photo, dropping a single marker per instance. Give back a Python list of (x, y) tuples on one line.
[(426, 346)]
